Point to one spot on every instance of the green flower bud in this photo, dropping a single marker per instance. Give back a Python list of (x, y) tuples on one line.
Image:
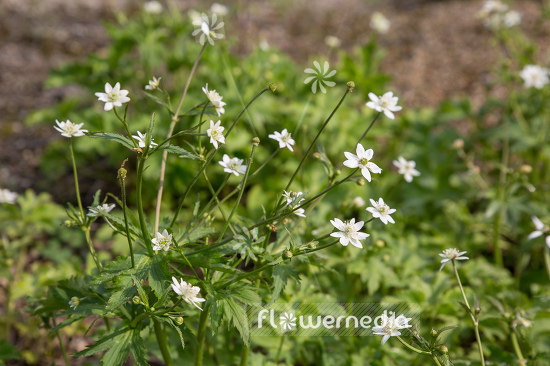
[(434, 333), (312, 245), (360, 182), (178, 320), (380, 243), (153, 309), (68, 223), (272, 87), (288, 254), (351, 85), (444, 349), (136, 300), (122, 173), (256, 141)]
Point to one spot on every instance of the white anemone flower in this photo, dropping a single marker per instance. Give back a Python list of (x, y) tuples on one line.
[(284, 138), (321, 77), (535, 76), (113, 96), (406, 168), (349, 232), (219, 9), (215, 99), (387, 103), (96, 212), (215, 132), (362, 160), (379, 23), (451, 254), (141, 138), (152, 7), (381, 210), (153, 84), (233, 165), (162, 241), (7, 196), (391, 326), (187, 291), (293, 199), (206, 30), (69, 129), (541, 229), (358, 201)]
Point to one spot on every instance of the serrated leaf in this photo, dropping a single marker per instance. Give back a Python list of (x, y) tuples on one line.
[(107, 341), (465, 307), (127, 143), (196, 234), (137, 347), (119, 351), (157, 100), (112, 270), (280, 275), (8, 352), (246, 294), (236, 314), (170, 322), (141, 292), (125, 282), (173, 149), (157, 275), (119, 224), (449, 327)]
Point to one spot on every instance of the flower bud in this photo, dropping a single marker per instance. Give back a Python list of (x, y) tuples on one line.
[(312, 245), (288, 254), (256, 141), (153, 309), (75, 301), (68, 223), (434, 333), (478, 310), (351, 85), (380, 243), (458, 144), (386, 258), (136, 300), (526, 169), (272, 87), (317, 155), (286, 221), (271, 227), (444, 349), (360, 182), (178, 320), (122, 173), (332, 41)]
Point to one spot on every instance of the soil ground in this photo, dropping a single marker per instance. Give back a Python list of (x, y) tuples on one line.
[(435, 50)]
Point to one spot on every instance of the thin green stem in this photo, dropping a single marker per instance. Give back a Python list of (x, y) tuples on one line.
[(201, 334), (91, 247), (175, 119), (123, 189), (211, 156), (412, 348), (474, 319), (243, 186), (61, 343), (143, 225), (200, 126), (123, 121), (244, 355), (368, 129), (160, 334), (547, 259), (83, 217), (517, 348), (500, 194), (313, 142)]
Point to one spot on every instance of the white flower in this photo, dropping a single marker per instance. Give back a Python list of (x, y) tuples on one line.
[(215, 132), (234, 165), (69, 129), (535, 76), (358, 202), (195, 16), (349, 232), (153, 84), (541, 229), (379, 23), (406, 168), (362, 160), (219, 9), (293, 199), (96, 212), (187, 291), (493, 6), (7, 196), (387, 103), (207, 29), (113, 96), (284, 138), (162, 241), (391, 326), (74, 302), (449, 255), (381, 210), (287, 321), (333, 42), (521, 321), (152, 7), (511, 18), (320, 77), (216, 100), (141, 138)]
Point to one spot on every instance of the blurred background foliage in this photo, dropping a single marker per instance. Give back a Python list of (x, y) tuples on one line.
[(484, 174)]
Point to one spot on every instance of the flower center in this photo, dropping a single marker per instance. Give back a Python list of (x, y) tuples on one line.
[(364, 161)]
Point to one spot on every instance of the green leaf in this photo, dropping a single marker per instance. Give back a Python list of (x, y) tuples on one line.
[(236, 314), (171, 322), (125, 282), (112, 270), (141, 291), (112, 137), (120, 349), (173, 149), (137, 347), (245, 294), (108, 340), (196, 234), (8, 352), (157, 275), (280, 275), (157, 100)]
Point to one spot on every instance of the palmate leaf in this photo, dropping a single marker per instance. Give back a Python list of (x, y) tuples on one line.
[(127, 143)]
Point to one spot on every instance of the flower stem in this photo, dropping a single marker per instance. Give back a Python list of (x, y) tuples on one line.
[(175, 119), (160, 334), (244, 355), (474, 320), (201, 334), (91, 247), (123, 121), (412, 348), (123, 189), (61, 343), (517, 348), (368, 129), (76, 183), (144, 230), (243, 186), (313, 143), (211, 156)]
